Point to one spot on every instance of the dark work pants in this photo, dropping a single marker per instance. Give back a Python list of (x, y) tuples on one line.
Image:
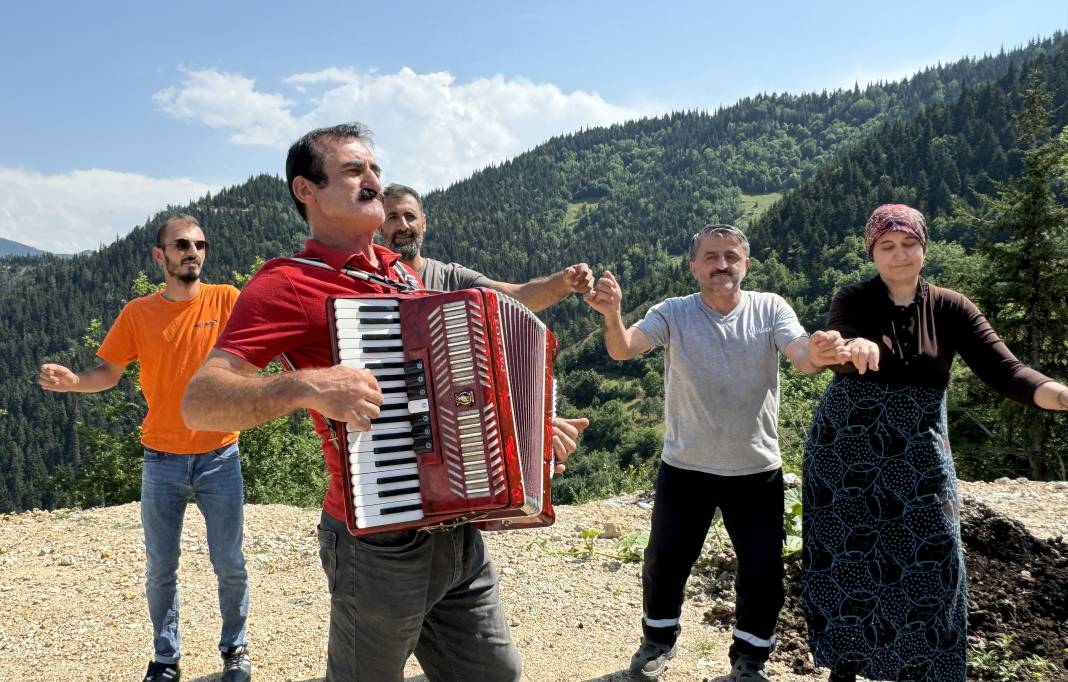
[(431, 593), (752, 508)]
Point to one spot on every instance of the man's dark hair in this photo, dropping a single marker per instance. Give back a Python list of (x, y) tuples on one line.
[(175, 217), (306, 155), (395, 190)]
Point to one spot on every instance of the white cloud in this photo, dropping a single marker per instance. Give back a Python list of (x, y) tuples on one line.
[(228, 100), (85, 208), (430, 130)]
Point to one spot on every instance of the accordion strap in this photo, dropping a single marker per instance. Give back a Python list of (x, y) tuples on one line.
[(405, 283)]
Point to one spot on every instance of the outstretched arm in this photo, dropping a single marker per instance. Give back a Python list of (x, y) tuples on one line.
[(606, 298), (61, 379), (810, 355), (538, 294), (226, 394)]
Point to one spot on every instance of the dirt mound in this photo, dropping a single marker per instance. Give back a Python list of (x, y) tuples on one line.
[(1017, 599)]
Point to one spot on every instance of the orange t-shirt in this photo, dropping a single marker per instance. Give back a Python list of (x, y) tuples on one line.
[(171, 339)]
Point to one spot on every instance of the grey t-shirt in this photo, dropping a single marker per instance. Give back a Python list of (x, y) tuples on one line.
[(721, 380), (450, 276)]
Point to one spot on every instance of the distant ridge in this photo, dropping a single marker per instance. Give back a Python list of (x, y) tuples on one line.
[(12, 248)]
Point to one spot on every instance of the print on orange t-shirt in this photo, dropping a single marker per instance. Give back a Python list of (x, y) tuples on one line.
[(171, 339)]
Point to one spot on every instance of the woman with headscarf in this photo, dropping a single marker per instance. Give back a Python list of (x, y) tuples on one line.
[(883, 586)]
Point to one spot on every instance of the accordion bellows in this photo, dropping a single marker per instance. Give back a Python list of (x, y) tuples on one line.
[(465, 432)]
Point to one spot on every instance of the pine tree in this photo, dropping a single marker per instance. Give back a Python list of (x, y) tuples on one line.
[(1026, 241)]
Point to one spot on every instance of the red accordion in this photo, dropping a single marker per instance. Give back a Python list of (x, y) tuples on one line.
[(465, 432)]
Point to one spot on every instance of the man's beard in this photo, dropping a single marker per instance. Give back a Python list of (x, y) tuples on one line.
[(408, 250), (179, 271)]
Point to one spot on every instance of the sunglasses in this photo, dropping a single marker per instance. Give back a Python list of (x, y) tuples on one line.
[(186, 244)]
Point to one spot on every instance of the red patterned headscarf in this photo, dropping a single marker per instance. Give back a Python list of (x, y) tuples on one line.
[(895, 218)]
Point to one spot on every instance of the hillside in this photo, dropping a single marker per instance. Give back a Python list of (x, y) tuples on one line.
[(13, 248), (624, 197), (71, 590)]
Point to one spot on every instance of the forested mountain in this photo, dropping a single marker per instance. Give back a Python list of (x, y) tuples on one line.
[(12, 248), (624, 197)]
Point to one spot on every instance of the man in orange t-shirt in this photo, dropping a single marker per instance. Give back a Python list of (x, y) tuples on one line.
[(171, 332)]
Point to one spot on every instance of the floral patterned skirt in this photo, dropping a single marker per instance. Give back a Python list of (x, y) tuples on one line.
[(883, 586)]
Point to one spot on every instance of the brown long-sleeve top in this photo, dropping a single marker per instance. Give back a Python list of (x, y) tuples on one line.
[(917, 342)]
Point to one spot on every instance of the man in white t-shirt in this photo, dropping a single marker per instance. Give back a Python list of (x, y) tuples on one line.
[(721, 402)]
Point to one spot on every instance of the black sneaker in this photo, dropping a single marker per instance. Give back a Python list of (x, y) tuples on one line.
[(162, 672), (651, 659), (237, 666), (748, 669)]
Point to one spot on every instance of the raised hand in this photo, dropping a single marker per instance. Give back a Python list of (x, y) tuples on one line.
[(827, 348), (578, 278), (57, 378), (606, 296), (565, 438)]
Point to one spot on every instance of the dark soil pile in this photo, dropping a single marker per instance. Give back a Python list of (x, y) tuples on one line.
[(1017, 596)]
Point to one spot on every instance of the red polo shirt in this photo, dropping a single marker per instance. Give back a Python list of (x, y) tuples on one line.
[(283, 310)]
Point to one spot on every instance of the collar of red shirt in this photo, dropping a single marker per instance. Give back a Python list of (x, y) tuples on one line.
[(341, 259)]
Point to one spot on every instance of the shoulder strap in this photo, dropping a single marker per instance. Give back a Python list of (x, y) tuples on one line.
[(407, 283)]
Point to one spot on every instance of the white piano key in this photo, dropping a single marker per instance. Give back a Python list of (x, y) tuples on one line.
[(374, 521), (372, 510), (398, 412), (380, 429), (361, 360), (367, 487), (347, 334), (361, 303), (368, 346), (373, 501), (416, 406), (372, 468), (371, 478), (357, 459), (372, 445)]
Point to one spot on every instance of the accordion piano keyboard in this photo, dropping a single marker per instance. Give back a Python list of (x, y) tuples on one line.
[(382, 462)]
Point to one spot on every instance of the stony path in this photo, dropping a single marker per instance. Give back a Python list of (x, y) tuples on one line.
[(71, 593)]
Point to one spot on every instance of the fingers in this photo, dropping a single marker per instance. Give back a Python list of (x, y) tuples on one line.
[(565, 438), (864, 355), (606, 296), (54, 377), (579, 278)]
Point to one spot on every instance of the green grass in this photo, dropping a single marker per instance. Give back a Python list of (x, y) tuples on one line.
[(753, 205), (575, 211)]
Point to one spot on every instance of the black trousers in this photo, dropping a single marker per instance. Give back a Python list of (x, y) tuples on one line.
[(752, 508)]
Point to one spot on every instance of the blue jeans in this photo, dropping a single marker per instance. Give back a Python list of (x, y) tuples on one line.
[(214, 480)]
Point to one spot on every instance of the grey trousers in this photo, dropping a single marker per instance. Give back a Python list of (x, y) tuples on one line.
[(429, 593)]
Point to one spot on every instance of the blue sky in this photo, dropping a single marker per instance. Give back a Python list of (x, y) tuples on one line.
[(112, 110)]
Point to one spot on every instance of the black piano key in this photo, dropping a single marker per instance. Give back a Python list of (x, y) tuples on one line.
[(399, 491), (390, 420), (402, 508), (417, 393), (391, 462), (377, 308), (414, 367), (383, 480), (391, 448), (383, 364)]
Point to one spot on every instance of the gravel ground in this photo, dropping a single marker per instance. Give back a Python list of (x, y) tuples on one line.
[(72, 593)]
